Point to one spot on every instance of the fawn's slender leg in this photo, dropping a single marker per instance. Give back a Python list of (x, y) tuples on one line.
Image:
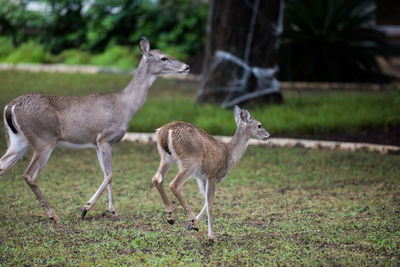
[(39, 159), (105, 159), (176, 188), (158, 181), (202, 189)]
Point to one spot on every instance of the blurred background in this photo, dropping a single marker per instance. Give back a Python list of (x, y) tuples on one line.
[(310, 68), (351, 35)]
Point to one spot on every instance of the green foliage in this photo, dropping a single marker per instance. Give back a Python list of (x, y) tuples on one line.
[(178, 23), (64, 27), (170, 25), (174, 26), (331, 40), (18, 22), (118, 56), (27, 52), (73, 57), (6, 47)]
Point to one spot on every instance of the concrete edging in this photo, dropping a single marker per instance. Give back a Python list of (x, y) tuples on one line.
[(286, 142)]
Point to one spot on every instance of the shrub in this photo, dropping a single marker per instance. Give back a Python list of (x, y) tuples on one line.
[(73, 57), (116, 56), (28, 52), (6, 47), (331, 40)]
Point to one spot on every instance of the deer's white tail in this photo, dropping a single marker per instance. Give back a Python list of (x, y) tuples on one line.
[(17, 143)]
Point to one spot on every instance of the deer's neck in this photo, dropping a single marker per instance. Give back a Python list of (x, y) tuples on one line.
[(134, 95), (237, 146)]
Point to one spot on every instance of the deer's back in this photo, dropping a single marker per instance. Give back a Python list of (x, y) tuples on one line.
[(73, 118), (188, 142)]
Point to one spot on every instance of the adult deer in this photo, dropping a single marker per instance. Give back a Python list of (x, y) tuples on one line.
[(203, 157), (43, 122)]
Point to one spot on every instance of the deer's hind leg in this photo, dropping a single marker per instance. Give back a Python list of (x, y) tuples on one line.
[(187, 168), (158, 181), (202, 189), (39, 159)]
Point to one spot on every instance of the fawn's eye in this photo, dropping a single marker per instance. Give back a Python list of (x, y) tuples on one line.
[(259, 126), (164, 58)]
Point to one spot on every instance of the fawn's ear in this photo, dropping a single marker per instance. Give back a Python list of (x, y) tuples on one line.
[(144, 46), (236, 114), (245, 115)]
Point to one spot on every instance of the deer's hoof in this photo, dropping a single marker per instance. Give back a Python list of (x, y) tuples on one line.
[(114, 213), (84, 211), (171, 221), (211, 241), (191, 227)]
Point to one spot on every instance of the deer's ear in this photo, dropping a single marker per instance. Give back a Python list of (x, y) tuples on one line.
[(245, 115), (144, 46), (236, 114)]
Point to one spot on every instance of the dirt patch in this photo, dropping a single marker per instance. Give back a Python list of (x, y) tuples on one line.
[(384, 136)]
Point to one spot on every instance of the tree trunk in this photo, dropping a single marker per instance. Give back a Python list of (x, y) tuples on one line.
[(241, 51)]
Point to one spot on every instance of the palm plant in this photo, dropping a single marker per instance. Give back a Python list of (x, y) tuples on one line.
[(331, 40)]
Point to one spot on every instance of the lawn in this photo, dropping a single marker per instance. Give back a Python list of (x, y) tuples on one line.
[(277, 206), (286, 206)]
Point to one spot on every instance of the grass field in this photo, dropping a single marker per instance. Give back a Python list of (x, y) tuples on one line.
[(306, 113), (277, 206)]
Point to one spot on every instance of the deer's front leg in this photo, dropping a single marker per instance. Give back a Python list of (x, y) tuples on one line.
[(111, 205), (104, 152), (211, 184)]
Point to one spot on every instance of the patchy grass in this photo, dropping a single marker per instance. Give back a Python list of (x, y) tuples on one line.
[(308, 113), (277, 206)]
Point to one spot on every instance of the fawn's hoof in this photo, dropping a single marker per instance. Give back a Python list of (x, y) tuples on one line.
[(55, 219), (191, 227), (84, 211), (171, 221)]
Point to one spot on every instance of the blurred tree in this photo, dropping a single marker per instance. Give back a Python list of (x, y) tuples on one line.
[(241, 52), (331, 40), (65, 26), (17, 22), (111, 20), (176, 26)]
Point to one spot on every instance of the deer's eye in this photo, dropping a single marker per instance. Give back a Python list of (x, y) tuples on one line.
[(164, 58), (259, 126)]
